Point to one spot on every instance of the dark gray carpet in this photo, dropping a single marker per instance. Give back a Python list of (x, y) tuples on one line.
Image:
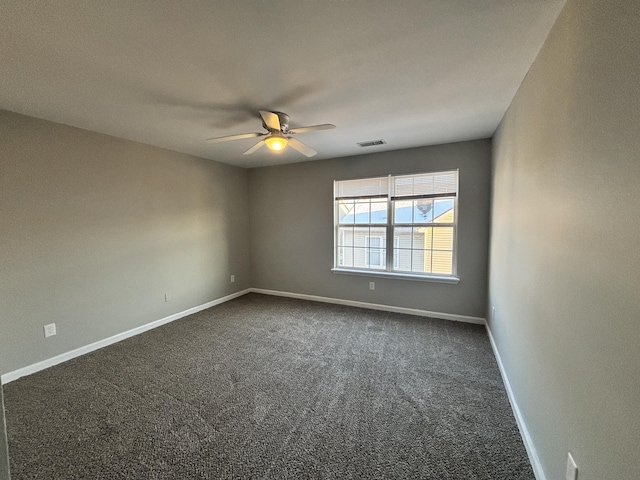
[(267, 387)]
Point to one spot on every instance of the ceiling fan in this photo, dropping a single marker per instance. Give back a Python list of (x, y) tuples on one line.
[(278, 134)]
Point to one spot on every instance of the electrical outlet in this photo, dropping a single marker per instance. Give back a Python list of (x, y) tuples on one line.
[(233, 278), (372, 285), (49, 330), (167, 297), (493, 312), (572, 468)]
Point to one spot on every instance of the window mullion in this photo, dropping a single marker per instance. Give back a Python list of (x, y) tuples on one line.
[(390, 246), (336, 216)]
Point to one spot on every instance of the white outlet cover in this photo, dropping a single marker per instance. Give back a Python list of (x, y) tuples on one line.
[(233, 278), (572, 468), (49, 330), (372, 285)]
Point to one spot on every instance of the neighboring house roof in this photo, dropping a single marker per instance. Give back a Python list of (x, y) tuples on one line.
[(403, 215)]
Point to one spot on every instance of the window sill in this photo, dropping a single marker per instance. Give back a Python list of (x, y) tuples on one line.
[(398, 276)]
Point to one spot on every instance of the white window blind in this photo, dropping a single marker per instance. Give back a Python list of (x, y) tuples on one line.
[(426, 185), (367, 187)]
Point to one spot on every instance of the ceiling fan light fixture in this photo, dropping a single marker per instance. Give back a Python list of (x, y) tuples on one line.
[(277, 126), (276, 142)]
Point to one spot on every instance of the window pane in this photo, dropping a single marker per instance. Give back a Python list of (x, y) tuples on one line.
[(403, 234), (423, 211), (345, 236), (443, 238), (374, 257), (427, 261), (443, 210), (420, 261), (379, 212), (381, 233), (360, 235), (362, 211), (420, 239), (403, 211), (360, 257), (377, 258), (345, 257), (376, 241), (402, 241), (442, 262), (346, 212), (402, 259)]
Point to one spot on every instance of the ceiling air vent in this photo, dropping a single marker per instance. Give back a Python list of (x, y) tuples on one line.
[(371, 143)]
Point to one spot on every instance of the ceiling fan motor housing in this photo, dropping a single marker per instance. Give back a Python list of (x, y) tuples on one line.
[(284, 122)]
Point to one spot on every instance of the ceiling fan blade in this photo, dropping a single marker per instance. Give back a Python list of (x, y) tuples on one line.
[(234, 137), (324, 126), (301, 147), (254, 148), (271, 120)]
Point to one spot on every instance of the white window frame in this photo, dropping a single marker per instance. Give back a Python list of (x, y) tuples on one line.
[(392, 264)]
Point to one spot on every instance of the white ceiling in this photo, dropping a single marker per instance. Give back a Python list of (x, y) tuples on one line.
[(173, 73)]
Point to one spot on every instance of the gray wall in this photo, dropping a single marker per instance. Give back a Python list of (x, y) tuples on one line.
[(95, 229), (564, 270), (292, 228)]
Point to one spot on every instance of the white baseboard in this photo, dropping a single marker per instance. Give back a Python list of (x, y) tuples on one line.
[(374, 306), (63, 357), (524, 431)]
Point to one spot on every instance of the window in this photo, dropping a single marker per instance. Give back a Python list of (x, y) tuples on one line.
[(417, 211)]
